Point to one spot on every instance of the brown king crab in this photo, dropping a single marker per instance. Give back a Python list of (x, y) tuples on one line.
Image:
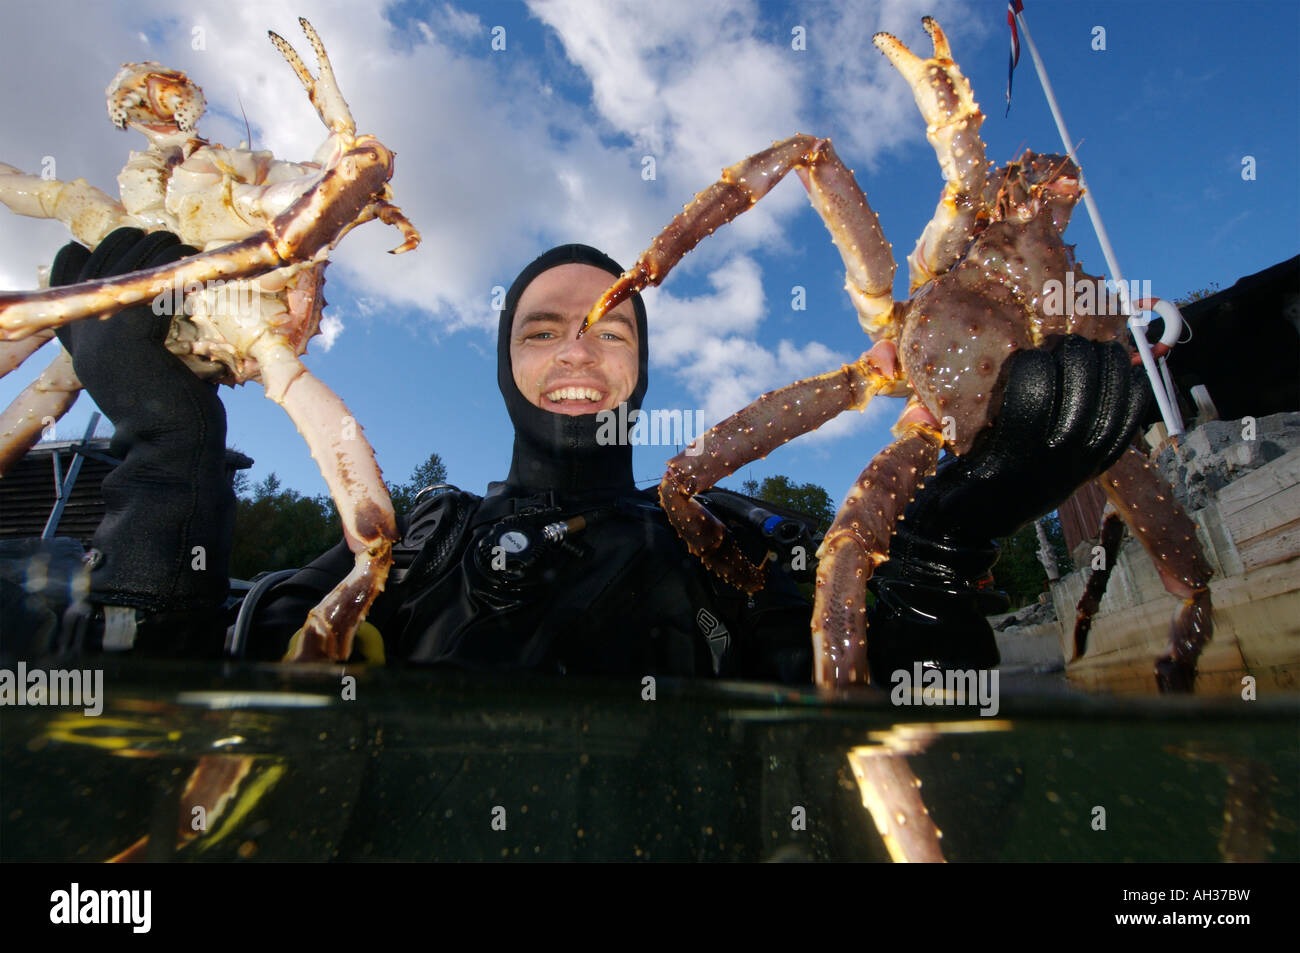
[(253, 217), (981, 282)]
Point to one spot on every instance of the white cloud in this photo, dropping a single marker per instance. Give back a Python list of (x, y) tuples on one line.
[(331, 326), (499, 155), (492, 163), (476, 169), (708, 343), (697, 94), (458, 22), (736, 307), (870, 104)]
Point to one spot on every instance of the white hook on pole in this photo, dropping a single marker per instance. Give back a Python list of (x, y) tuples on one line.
[(1173, 319), (1164, 398)]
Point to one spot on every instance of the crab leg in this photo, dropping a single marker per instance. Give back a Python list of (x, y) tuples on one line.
[(835, 194), (891, 793), (389, 214), (89, 213), (47, 398), (753, 433), (1169, 537), (1112, 533), (14, 353), (347, 462), (220, 786), (953, 120), (858, 541), (309, 226), (1248, 813)]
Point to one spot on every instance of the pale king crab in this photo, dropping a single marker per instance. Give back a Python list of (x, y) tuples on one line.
[(253, 216), (979, 281)]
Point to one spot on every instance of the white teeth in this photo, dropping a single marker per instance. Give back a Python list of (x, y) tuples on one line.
[(575, 393)]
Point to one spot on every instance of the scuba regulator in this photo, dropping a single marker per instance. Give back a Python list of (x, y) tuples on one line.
[(519, 555)]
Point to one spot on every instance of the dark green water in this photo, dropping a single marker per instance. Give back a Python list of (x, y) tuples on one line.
[(427, 766)]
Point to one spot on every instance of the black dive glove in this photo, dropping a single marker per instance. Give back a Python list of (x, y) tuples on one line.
[(1066, 416), (164, 544)]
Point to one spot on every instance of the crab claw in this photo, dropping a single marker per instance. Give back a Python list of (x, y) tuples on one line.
[(150, 94), (953, 120), (323, 90), (916, 70), (943, 95)]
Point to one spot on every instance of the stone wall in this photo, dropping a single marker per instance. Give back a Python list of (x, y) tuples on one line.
[(1240, 482)]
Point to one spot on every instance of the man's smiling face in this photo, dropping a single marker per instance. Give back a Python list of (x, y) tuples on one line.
[(553, 368)]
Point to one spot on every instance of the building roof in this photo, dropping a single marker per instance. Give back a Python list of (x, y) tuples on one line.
[(28, 490)]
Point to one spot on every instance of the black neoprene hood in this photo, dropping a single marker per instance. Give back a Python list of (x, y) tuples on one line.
[(558, 451)]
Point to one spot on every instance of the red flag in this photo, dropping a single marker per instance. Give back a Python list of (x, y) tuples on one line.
[(1013, 7)]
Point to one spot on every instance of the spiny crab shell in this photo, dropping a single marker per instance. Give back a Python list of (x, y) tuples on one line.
[(212, 196), (958, 328)]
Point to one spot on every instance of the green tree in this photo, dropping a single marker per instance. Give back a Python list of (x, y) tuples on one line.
[(1018, 571), (277, 528), (267, 488), (1198, 294), (429, 473), (806, 498), (280, 529), (241, 482)]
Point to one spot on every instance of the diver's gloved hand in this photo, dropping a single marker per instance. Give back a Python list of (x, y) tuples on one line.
[(164, 544), (1066, 416)]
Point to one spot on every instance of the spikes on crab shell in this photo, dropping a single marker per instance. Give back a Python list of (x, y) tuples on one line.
[(305, 294), (857, 542), (904, 60), (301, 233)]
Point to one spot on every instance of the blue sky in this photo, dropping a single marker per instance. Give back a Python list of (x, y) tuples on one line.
[(503, 153)]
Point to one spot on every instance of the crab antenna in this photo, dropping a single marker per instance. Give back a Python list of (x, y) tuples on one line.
[(248, 131)]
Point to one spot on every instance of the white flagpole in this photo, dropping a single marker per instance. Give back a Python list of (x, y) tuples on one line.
[(1168, 407)]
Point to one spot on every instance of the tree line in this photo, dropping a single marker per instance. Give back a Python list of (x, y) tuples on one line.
[(279, 528)]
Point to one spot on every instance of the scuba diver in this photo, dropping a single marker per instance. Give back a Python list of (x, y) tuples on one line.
[(564, 566)]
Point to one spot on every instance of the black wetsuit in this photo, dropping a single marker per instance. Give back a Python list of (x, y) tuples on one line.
[(620, 596)]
